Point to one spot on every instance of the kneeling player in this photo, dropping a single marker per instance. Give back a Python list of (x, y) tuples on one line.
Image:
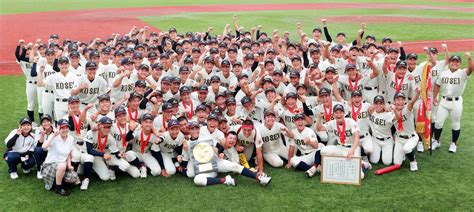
[(347, 132), (101, 145), (273, 148)]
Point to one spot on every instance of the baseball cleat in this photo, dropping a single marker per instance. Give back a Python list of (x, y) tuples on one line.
[(229, 180), (367, 165), (434, 144), (420, 147), (85, 184), (112, 174), (26, 171), (143, 172), (264, 180), (452, 148), (413, 166), (39, 176), (62, 192), (14, 175), (310, 172)]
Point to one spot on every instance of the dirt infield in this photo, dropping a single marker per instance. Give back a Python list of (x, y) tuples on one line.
[(85, 25)]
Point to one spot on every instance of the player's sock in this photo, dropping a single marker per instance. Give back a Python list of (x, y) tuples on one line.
[(432, 129), (40, 115), (59, 187), (302, 166), (437, 133), (136, 163), (31, 115), (114, 168), (246, 172), (456, 134), (215, 181), (87, 169), (411, 155), (317, 157)]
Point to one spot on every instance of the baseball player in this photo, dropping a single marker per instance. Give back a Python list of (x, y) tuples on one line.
[(359, 112), (88, 87), (31, 88), (170, 148), (271, 133), (20, 146), (399, 81), (102, 146), (450, 85), (61, 84), (122, 83), (224, 150), (45, 71), (406, 137), (188, 105), (381, 121), (306, 142), (347, 131), (144, 140)]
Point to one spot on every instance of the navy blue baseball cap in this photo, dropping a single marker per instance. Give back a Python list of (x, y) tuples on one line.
[(379, 98), (72, 99), (120, 110), (324, 92), (173, 123), (166, 106), (105, 120), (63, 123), (126, 60), (147, 116), (91, 65), (25, 121), (338, 107)]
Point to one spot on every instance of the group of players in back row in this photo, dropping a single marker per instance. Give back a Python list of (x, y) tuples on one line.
[(136, 103)]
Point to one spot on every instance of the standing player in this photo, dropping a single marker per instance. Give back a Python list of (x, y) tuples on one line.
[(88, 87), (31, 88), (451, 84), (406, 137), (61, 84), (381, 121)]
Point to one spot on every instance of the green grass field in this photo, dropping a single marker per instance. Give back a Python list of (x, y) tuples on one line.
[(444, 181)]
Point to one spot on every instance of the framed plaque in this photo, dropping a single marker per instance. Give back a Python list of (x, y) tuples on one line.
[(203, 156), (340, 170)]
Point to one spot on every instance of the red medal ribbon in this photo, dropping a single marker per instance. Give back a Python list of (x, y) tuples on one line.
[(122, 135), (400, 121), (130, 115), (398, 86), (143, 143), (77, 125), (294, 110), (163, 122), (342, 132), (355, 113), (353, 87), (100, 144), (328, 115), (190, 113)]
